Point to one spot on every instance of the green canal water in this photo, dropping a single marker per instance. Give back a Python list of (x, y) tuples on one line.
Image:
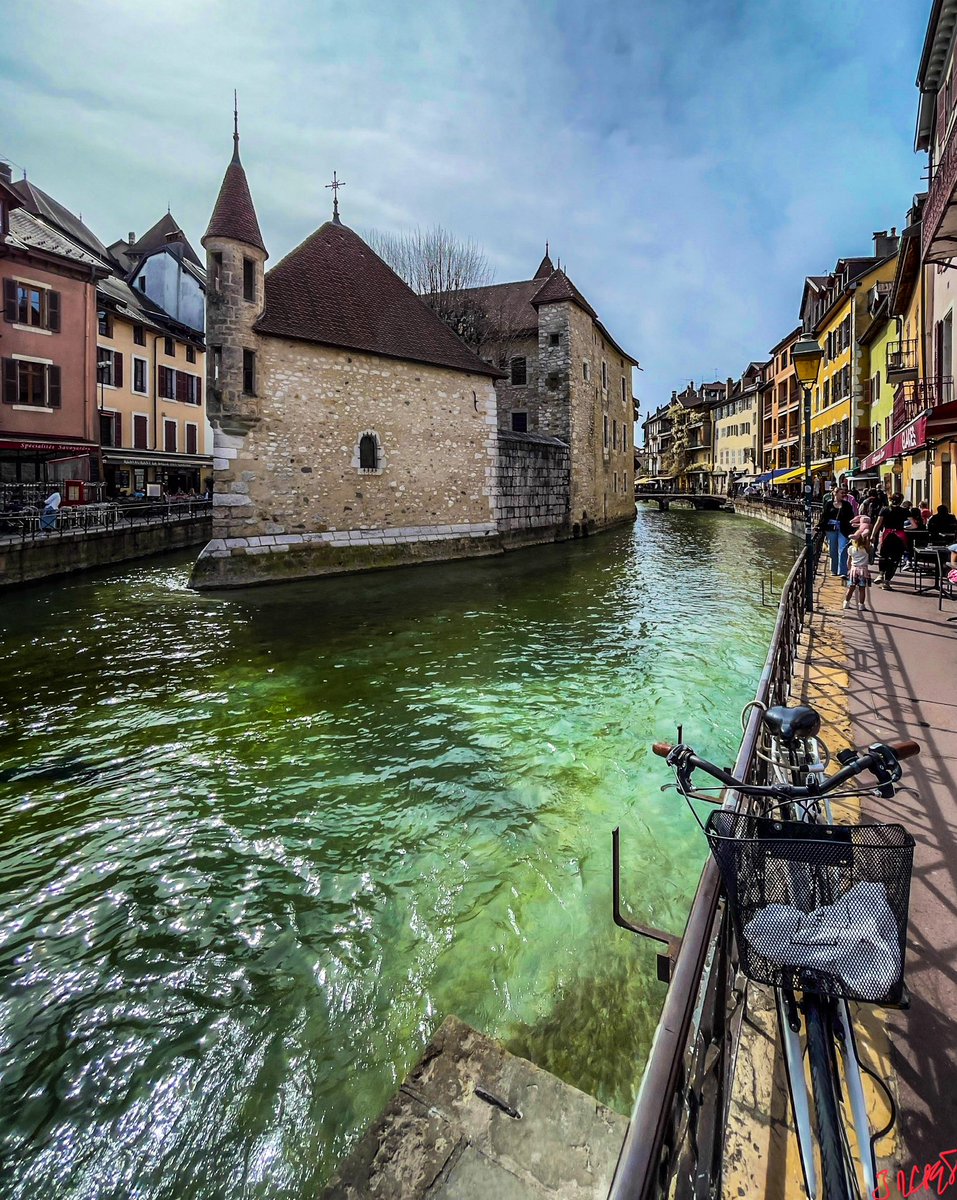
[(255, 846)]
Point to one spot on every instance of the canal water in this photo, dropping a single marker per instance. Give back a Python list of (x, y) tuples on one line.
[(255, 846)]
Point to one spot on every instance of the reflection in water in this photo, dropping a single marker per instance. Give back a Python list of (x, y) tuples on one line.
[(254, 846)]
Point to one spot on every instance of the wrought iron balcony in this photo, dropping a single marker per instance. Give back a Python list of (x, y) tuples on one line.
[(901, 356), (915, 396)]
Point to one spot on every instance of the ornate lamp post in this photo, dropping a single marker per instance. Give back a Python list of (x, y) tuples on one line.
[(834, 449), (806, 356)]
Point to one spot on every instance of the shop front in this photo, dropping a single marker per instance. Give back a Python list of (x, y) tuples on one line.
[(149, 475)]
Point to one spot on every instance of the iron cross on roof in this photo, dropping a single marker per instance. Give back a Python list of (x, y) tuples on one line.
[(335, 185)]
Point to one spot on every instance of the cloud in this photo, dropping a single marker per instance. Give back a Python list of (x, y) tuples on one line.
[(690, 162)]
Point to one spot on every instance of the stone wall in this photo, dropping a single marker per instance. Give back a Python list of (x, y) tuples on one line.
[(290, 484), (603, 475), (530, 486), (70, 552), (790, 520)]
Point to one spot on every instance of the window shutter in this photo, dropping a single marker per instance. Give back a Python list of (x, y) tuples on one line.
[(190, 439), (9, 381), (164, 382), (53, 311), (182, 382), (117, 429), (117, 369), (199, 390), (10, 299), (53, 387)]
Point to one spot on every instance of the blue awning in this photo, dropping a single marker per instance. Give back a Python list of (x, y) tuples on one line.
[(770, 476)]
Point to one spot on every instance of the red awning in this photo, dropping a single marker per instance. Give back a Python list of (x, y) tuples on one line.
[(908, 439), (44, 447)]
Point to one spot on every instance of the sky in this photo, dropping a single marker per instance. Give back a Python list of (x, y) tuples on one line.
[(688, 161)]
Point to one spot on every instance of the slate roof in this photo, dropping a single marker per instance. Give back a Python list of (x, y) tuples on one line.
[(235, 215), (155, 239), (41, 205), (29, 232), (333, 289)]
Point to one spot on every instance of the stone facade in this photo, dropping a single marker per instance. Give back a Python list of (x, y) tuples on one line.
[(578, 391)]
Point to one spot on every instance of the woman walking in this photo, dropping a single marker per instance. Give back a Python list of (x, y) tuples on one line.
[(836, 517), (893, 539)]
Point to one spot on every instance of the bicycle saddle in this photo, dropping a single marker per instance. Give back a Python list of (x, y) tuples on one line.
[(791, 723)]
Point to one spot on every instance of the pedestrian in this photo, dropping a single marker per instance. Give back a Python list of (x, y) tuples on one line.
[(836, 518), (858, 570), (51, 508), (893, 540), (942, 527)]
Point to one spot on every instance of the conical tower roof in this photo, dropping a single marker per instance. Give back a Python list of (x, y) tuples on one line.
[(545, 267), (235, 215)]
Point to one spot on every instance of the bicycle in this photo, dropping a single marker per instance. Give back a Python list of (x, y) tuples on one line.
[(819, 910)]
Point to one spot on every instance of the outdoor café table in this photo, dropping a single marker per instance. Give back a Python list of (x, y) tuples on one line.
[(934, 556)]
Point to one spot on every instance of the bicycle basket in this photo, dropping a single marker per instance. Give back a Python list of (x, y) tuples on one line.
[(817, 908)]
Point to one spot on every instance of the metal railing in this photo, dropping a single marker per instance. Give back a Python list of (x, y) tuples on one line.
[(902, 356), (87, 519), (675, 1142), (915, 396)]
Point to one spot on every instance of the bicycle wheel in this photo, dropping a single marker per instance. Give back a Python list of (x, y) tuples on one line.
[(824, 1089)]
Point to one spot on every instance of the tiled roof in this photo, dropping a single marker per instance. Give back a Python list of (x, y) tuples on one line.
[(235, 215), (333, 289), (557, 288), (155, 239), (42, 205), (29, 232), (545, 268), (508, 306)]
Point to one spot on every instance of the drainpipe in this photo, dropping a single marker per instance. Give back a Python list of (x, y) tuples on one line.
[(855, 383), (156, 338)]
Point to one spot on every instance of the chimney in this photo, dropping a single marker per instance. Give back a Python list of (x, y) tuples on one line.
[(131, 237), (885, 244), (6, 175)]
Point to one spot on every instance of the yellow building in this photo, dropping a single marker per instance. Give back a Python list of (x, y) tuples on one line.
[(835, 310), (896, 367), (150, 395)]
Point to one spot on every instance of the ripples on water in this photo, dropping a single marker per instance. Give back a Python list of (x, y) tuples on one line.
[(255, 846)]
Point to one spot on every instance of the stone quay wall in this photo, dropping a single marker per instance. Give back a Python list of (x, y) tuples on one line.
[(791, 520), (45, 557)]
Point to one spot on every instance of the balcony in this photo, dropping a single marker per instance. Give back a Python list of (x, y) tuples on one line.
[(939, 228), (901, 360), (916, 396)]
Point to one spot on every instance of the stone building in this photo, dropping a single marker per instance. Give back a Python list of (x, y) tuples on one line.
[(352, 428), (567, 378)]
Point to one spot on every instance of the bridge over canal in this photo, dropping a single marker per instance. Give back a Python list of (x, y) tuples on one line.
[(696, 500)]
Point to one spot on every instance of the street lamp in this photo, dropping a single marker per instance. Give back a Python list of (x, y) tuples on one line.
[(806, 356), (834, 449)]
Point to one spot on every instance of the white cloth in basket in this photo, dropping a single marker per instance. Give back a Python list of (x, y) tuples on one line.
[(855, 940)]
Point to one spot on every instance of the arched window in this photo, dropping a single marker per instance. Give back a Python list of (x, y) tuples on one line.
[(367, 453), (368, 457)]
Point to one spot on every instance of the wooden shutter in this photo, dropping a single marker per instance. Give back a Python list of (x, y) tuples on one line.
[(169, 436), (140, 429), (190, 439), (10, 299), (117, 429), (10, 381), (53, 312), (164, 383), (117, 369), (53, 387), (199, 389), (182, 383)]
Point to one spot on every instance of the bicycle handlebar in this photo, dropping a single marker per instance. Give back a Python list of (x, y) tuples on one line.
[(880, 758)]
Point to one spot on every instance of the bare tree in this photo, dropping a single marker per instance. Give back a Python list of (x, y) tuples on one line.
[(444, 270)]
